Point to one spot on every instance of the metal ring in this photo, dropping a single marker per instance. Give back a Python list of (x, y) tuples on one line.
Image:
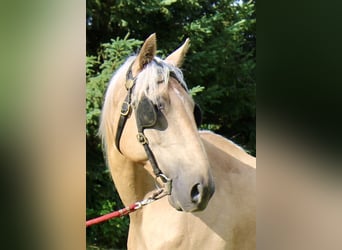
[(142, 138), (129, 83), (138, 205), (164, 177), (158, 187), (125, 108), (167, 183)]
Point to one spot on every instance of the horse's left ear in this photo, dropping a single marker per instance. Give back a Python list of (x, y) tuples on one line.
[(146, 54), (177, 57)]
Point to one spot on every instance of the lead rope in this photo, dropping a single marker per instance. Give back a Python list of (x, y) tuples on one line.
[(156, 195)]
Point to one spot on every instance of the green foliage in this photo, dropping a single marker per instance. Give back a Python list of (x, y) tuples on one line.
[(102, 198), (112, 233), (219, 70), (99, 70), (195, 90)]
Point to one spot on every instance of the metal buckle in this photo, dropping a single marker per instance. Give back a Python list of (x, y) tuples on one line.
[(167, 184), (125, 108), (129, 83), (142, 138)]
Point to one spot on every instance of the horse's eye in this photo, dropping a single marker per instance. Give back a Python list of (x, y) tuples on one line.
[(160, 103)]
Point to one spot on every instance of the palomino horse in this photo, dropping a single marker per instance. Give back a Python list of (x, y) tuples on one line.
[(150, 134)]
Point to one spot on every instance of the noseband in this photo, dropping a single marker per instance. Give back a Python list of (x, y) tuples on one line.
[(146, 117)]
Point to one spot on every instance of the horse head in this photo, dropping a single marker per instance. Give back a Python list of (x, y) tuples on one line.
[(158, 123)]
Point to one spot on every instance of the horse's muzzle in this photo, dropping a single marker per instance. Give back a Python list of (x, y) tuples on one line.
[(196, 199)]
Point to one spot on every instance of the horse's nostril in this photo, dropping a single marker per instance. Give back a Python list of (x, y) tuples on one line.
[(196, 193)]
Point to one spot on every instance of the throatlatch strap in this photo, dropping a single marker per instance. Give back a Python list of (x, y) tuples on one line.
[(153, 161)]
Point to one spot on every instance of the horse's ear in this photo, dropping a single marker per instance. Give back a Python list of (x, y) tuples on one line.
[(177, 57), (146, 54)]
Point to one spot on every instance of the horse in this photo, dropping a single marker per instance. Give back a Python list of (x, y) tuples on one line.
[(153, 139)]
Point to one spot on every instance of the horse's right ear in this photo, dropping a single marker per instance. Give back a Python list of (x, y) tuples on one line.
[(146, 54), (177, 57)]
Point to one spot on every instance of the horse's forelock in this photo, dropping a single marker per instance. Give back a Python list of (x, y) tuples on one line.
[(153, 81)]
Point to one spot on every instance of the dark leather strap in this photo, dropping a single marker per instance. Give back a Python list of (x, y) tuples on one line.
[(152, 159), (126, 107), (125, 113), (144, 141)]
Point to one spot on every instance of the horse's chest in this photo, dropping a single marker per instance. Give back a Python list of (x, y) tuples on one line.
[(170, 229)]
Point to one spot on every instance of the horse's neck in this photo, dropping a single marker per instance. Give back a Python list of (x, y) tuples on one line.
[(231, 212), (231, 165), (131, 179)]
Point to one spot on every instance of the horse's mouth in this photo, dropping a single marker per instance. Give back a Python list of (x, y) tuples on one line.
[(175, 204)]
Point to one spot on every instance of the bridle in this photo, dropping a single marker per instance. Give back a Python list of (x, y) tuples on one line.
[(148, 120), (146, 117), (146, 114)]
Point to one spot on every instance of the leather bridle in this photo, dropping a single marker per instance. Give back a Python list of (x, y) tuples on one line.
[(146, 117), (125, 113)]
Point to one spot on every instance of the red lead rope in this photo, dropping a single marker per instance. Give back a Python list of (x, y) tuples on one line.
[(161, 192), (115, 214)]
